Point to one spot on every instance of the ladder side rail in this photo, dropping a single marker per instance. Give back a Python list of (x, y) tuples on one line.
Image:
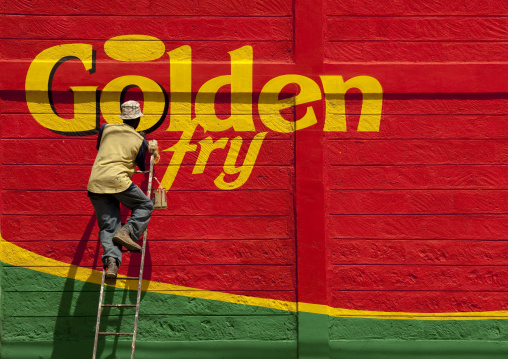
[(98, 323), (138, 299)]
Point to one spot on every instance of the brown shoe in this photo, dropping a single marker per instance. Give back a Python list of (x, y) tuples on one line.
[(112, 270), (123, 238)]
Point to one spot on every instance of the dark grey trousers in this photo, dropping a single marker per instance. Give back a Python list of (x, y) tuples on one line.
[(107, 211)]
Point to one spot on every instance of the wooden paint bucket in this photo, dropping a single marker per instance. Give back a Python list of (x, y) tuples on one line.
[(159, 198)]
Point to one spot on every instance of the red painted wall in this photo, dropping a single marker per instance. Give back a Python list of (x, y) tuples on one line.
[(409, 218)]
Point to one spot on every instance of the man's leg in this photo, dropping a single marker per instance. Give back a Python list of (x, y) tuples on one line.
[(141, 207), (107, 211)]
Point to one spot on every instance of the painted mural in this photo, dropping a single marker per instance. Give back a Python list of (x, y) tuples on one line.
[(336, 175)]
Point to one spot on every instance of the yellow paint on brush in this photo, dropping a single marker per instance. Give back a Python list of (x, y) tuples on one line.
[(14, 255)]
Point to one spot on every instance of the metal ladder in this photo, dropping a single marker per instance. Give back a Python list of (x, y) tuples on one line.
[(139, 279)]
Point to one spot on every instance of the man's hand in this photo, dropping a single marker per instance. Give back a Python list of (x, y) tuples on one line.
[(153, 148)]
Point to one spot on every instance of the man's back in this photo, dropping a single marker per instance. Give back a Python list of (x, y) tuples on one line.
[(115, 162)]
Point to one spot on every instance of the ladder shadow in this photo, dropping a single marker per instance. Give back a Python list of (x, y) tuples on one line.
[(75, 322)]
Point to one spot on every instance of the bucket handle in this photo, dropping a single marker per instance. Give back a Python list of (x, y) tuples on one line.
[(160, 186)]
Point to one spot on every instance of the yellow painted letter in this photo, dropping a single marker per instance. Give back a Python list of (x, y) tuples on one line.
[(270, 106), (248, 163), (335, 90), (180, 72), (207, 147), (155, 103), (241, 95), (38, 88), (179, 150)]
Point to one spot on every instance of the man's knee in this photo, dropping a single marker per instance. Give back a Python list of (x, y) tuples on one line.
[(149, 205)]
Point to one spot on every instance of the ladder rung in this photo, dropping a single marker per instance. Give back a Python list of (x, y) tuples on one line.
[(128, 278), (119, 305), (110, 333), (141, 171)]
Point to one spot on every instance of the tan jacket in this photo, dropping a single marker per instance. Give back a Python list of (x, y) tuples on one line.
[(116, 160)]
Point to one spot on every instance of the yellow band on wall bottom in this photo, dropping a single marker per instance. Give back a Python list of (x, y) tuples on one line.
[(14, 255)]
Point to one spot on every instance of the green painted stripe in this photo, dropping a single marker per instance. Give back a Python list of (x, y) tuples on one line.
[(312, 336), (222, 349), (418, 349), (69, 309), (47, 316), (385, 349), (1, 301), (388, 329), (49, 313), (376, 349)]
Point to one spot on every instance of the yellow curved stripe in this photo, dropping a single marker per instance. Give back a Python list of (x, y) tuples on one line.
[(17, 256), (14, 255), (352, 313)]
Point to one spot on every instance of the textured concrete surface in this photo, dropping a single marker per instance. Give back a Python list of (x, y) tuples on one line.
[(373, 239)]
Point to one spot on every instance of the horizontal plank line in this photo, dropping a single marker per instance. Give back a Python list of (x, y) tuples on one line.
[(266, 216), (283, 142), (419, 139), (91, 164), (349, 113), (291, 140), (402, 265), (417, 214), (420, 291), (218, 40), (151, 291), (450, 41), (151, 15), (285, 166), (413, 63), (94, 140), (417, 16), (197, 139), (393, 98), (389, 95), (395, 189), (179, 215), (179, 239), (183, 240), (91, 215), (179, 265), (169, 192), (165, 166), (418, 239), (144, 315), (420, 165), (489, 95)]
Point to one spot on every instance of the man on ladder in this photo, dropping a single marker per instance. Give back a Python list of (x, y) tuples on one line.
[(120, 149)]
